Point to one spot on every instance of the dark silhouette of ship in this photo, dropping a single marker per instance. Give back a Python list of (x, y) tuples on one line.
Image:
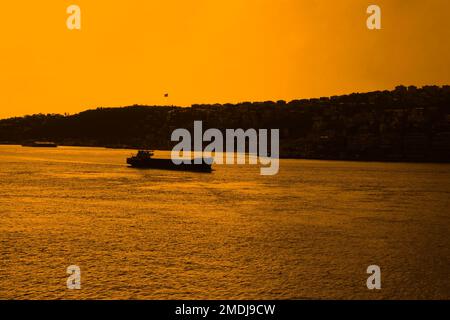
[(144, 159), (40, 144)]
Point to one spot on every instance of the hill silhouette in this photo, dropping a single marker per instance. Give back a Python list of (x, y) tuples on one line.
[(406, 124)]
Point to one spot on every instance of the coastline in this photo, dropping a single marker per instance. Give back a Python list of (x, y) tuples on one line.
[(283, 157)]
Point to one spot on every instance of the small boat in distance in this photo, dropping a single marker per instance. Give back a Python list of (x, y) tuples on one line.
[(40, 144), (144, 160)]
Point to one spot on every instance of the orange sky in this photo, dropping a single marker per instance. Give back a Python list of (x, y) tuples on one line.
[(207, 51)]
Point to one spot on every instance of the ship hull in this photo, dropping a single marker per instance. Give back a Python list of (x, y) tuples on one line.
[(167, 164)]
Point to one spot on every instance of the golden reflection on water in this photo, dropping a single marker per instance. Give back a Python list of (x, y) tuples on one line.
[(309, 232)]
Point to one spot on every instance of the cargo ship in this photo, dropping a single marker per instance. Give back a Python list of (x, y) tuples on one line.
[(40, 144), (144, 160)]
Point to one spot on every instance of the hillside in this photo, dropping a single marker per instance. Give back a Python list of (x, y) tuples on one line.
[(406, 124)]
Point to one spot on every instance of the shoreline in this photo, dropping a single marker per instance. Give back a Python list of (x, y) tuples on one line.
[(289, 157)]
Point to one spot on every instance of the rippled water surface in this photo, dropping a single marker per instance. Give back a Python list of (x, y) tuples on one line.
[(309, 232)]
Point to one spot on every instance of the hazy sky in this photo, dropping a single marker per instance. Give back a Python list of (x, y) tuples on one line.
[(207, 51)]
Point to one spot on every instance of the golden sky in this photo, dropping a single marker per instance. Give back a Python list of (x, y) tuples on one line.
[(207, 51)]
